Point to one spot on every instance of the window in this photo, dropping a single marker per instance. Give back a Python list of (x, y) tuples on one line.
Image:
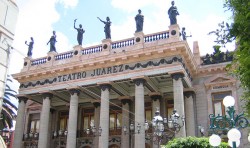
[(115, 120), (218, 106), (34, 126), (88, 117), (64, 117)]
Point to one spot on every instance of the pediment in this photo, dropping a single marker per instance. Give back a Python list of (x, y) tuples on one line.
[(220, 79)]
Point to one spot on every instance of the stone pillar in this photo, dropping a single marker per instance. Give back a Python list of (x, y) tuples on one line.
[(125, 122), (156, 97), (18, 137), (189, 110), (139, 113), (51, 129), (179, 100), (44, 121), (104, 116), (72, 124), (97, 123)]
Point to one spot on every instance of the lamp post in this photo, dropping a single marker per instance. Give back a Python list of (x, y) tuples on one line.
[(164, 128), (230, 123)]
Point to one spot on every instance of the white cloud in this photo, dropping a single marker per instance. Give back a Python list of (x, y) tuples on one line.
[(35, 20), (69, 3)]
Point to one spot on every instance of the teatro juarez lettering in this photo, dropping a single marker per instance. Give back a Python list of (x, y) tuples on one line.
[(95, 72)]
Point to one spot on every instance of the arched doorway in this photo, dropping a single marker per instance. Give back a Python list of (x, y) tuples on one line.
[(114, 146)]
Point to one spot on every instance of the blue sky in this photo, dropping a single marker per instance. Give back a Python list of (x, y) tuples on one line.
[(38, 18)]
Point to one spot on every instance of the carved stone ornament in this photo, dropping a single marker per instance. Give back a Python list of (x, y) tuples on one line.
[(176, 76), (124, 101), (188, 94), (73, 91), (139, 81), (22, 98), (96, 104), (47, 95), (105, 86), (156, 97)]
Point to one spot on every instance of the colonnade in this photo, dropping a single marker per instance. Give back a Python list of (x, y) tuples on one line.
[(101, 117)]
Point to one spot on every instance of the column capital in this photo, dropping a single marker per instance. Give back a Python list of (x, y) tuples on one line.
[(73, 91), (125, 101), (176, 76), (96, 104), (189, 93), (156, 97), (22, 98), (105, 86), (139, 81), (47, 95)]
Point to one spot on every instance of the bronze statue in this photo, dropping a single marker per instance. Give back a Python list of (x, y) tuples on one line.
[(139, 19), (107, 27), (52, 42), (80, 32), (184, 35), (30, 47), (172, 12)]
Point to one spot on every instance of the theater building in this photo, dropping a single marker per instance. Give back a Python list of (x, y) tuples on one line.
[(116, 83)]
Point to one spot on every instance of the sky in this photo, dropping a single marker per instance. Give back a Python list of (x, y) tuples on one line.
[(38, 18)]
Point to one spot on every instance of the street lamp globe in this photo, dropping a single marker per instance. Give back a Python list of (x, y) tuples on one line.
[(214, 140), (234, 134), (230, 143), (249, 137), (228, 101)]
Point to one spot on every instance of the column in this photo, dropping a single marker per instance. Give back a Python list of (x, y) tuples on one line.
[(97, 123), (104, 116), (156, 97), (44, 121), (50, 127), (139, 113), (72, 124), (179, 100), (125, 122), (18, 137), (189, 110)]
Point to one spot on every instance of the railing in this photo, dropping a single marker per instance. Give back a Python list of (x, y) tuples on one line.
[(63, 56), (92, 50), (124, 43), (39, 61), (156, 36), (99, 48)]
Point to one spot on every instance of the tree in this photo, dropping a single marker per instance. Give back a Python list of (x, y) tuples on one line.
[(192, 142), (240, 32), (8, 108)]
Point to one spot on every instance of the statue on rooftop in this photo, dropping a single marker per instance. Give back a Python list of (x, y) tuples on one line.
[(52, 42), (173, 12), (107, 27), (80, 32), (30, 46), (184, 35), (139, 19)]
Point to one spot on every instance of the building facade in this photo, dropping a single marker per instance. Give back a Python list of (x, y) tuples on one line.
[(107, 87), (8, 20)]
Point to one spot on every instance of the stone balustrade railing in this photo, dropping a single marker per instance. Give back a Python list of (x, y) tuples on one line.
[(107, 46), (123, 43)]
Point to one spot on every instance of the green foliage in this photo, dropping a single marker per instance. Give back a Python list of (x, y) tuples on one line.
[(192, 142), (239, 31), (8, 109)]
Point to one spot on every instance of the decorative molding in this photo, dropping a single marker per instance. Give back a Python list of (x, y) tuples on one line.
[(156, 97), (73, 91), (105, 86), (139, 81), (177, 76), (188, 94), (47, 95), (22, 98), (127, 67), (96, 104), (124, 101)]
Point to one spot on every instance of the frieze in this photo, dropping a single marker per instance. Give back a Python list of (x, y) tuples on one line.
[(105, 71)]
